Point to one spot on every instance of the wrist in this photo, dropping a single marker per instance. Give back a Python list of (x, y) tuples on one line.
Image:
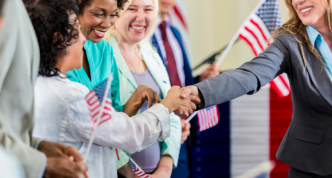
[(168, 105)]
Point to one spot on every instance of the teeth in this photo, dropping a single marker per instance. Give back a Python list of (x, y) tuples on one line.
[(306, 9), (137, 28), (102, 33)]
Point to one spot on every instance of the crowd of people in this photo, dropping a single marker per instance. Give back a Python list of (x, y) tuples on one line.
[(53, 52)]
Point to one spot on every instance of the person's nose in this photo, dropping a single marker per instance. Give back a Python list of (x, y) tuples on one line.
[(106, 22), (140, 15), (299, 2)]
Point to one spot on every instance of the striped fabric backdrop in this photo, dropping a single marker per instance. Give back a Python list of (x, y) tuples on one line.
[(249, 132)]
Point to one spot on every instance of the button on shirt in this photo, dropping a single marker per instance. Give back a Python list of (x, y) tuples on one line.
[(176, 48), (317, 40)]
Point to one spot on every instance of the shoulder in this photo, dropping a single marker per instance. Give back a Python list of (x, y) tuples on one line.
[(65, 89)]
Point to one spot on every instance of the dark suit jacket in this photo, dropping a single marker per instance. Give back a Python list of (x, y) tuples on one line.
[(307, 145)]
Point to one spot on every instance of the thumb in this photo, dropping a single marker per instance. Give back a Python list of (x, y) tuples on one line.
[(185, 92)]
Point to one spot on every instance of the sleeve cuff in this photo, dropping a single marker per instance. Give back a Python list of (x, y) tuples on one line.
[(37, 143), (162, 114)]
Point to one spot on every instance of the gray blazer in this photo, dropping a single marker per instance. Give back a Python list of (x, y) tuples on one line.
[(19, 61), (307, 145)]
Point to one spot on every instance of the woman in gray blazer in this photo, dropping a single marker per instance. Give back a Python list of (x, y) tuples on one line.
[(302, 49)]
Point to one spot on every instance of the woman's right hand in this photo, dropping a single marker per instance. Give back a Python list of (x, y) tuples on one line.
[(174, 102)]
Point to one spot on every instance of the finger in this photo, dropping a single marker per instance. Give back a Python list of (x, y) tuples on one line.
[(193, 106), (185, 92), (156, 97), (150, 99), (140, 101), (195, 99), (72, 151), (86, 174), (71, 158)]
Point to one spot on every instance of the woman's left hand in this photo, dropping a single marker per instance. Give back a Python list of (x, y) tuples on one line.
[(142, 93)]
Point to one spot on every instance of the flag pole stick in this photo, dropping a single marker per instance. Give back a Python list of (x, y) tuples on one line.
[(99, 116), (231, 43), (229, 46), (191, 116)]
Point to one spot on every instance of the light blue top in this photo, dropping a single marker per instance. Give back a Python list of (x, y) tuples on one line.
[(102, 64), (317, 40)]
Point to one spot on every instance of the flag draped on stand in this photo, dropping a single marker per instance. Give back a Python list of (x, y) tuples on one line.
[(138, 171), (257, 31), (208, 118)]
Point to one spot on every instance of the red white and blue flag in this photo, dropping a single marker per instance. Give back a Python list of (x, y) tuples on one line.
[(249, 132), (257, 32), (94, 99), (138, 171), (208, 118)]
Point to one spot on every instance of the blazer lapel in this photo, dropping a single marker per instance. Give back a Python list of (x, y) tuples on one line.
[(120, 61), (151, 63), (318, 76)]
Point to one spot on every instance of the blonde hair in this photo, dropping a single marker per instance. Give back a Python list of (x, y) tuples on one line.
[(295, 27), (145, 43)]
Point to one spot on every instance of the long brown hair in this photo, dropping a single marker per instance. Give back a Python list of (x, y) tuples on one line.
[(295, 27)]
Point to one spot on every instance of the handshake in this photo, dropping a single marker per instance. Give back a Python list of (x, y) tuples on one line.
[(181, 101)]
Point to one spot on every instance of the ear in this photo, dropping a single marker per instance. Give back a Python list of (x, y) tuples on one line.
[(57, 36)]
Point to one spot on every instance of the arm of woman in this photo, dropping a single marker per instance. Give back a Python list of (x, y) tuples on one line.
[(248, 78), (165, 168), (127, 133)]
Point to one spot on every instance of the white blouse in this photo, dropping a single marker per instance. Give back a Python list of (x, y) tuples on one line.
[(62, 116)]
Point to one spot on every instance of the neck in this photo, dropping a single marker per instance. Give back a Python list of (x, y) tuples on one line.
[(326, 34), (162, 16), (62, 68), (127, 48)]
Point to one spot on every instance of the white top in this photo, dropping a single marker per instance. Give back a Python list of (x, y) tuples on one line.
[(176, 48), (62, 116)]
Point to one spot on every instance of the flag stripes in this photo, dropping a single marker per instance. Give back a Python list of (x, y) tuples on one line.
[(94, 101), (257, 31), (208, 118), (137, 170)]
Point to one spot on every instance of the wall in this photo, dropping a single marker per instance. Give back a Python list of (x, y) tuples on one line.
[(213, 23)]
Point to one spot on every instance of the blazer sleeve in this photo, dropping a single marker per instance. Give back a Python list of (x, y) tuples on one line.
[(248, 78)]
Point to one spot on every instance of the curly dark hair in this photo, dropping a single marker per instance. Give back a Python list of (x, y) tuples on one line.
[(82, 3), (50, 19)]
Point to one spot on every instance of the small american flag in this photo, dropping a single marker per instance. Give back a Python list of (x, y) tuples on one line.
[(94, 99), (208, 118), (256, 32), (138, 171)]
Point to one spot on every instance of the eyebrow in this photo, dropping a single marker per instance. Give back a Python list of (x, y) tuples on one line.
[(105, 9)]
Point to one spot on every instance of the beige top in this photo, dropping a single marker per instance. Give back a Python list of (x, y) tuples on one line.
[(19, 61)]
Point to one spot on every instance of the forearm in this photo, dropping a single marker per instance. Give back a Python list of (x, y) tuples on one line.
[(129, 108), (130, 134), (127, 171), (165, 165)]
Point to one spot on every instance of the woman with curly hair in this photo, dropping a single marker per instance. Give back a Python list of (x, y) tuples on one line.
[(302, 48), (62, 114)]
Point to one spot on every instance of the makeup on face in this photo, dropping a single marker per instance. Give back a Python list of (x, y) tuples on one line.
[(310, 12), (97, 17)]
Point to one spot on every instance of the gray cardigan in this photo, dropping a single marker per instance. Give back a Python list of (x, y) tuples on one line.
[(307, 145)]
